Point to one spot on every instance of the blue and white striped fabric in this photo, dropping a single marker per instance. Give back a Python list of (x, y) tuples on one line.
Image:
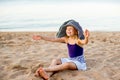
[(79, 62)]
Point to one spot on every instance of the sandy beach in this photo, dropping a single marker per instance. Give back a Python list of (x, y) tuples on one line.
[(20, 56)]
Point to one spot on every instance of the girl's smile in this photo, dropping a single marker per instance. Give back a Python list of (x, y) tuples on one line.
[(70, 31)]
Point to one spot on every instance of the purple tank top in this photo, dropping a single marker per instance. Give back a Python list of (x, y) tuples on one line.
[(74, 50)]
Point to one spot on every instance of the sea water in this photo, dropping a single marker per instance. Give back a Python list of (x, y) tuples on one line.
[(35, 15), (98, 24)]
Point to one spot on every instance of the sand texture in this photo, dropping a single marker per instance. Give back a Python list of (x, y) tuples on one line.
[(20, 56)]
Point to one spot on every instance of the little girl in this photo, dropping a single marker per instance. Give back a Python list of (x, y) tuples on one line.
[(70, 33)]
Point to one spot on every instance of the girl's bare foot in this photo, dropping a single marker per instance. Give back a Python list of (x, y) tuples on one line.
[(43, 74), (37, 73)]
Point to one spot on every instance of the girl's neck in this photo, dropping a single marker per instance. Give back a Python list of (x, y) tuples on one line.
[(73, 37)]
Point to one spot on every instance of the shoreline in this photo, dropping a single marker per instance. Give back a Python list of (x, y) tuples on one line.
[(57, 31)]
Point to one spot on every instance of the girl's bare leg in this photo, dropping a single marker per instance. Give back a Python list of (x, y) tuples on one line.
[(53, 68), (64, 66), (53, 63)]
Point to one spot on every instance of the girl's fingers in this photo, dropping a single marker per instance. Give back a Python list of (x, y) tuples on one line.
[(36, 37), (87, 33)]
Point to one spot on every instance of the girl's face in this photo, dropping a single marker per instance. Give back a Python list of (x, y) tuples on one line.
[(71, 31)]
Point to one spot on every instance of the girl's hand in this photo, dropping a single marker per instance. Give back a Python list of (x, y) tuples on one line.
[(87, 33), (37, 37)]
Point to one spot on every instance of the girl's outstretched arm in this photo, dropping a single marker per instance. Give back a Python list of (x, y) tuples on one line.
[(38, 37), (85, 41)]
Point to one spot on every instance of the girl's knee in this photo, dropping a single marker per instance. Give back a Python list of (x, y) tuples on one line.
[(69, 65), (54, 60), (57, 61)]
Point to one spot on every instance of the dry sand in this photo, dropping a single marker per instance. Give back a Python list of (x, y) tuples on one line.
[(20, 56)]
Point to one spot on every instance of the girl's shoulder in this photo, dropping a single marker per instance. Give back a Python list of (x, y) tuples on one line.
[(66, 39), (78, 42)]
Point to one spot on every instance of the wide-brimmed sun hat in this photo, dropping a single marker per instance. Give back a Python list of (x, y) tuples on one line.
[(75, 24)]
